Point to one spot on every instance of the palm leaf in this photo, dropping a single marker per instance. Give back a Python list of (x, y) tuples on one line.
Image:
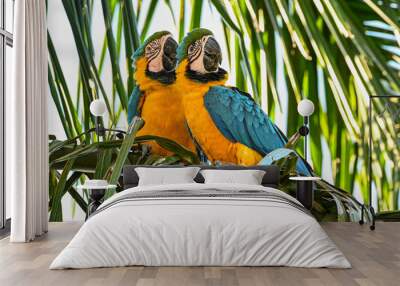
[(136, 124)]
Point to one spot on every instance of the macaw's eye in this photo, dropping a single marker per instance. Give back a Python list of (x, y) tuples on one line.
[(191, 49), (153, 49), (149, 49)]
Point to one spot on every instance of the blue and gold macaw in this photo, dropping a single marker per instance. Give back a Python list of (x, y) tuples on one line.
[(155, 98), (226, 123)]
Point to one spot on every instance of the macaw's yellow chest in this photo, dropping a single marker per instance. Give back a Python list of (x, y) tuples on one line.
[(213, 143), (163, 115)]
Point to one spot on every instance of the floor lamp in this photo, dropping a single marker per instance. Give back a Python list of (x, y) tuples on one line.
[(97, 188), (305, 109), (97, 109)]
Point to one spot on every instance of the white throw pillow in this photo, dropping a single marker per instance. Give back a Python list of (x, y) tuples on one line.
[(246, 177), (166, 176)]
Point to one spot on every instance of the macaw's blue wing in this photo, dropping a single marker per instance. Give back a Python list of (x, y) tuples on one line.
[(302, 167), (134, 104), (241, 120)]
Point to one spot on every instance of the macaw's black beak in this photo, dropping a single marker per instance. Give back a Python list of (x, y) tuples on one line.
[(169, 55), (212, 55)]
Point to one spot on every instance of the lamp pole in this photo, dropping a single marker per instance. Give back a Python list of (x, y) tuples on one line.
[(306, 137)]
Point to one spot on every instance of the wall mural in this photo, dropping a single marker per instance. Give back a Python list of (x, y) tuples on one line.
[(188, 114), (181, 98)]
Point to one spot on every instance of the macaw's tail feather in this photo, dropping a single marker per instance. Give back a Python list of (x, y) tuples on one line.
[(284, 156), (134, 104)]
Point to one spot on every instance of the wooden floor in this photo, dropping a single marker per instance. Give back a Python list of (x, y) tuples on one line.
[(375, 257)]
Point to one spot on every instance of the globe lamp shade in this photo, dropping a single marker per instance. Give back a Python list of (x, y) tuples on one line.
[(305, 107), (97, 107)]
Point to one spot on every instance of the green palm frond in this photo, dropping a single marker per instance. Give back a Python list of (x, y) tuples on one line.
[(336, 53)]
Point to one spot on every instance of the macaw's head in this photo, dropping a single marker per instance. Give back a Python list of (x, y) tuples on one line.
[(201, 56), (157, 57)]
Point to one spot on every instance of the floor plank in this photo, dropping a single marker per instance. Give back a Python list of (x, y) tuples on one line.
[(375, 257)]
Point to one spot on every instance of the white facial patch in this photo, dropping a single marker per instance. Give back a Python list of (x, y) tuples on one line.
[(154, 53), (196, 54)]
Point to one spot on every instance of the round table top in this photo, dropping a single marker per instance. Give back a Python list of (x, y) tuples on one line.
[(96, 187), (299, 178)]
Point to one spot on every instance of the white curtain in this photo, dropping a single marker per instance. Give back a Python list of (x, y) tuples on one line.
[(26, 124)]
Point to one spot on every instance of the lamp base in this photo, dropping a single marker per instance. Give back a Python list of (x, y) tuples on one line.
[(372, 211)]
